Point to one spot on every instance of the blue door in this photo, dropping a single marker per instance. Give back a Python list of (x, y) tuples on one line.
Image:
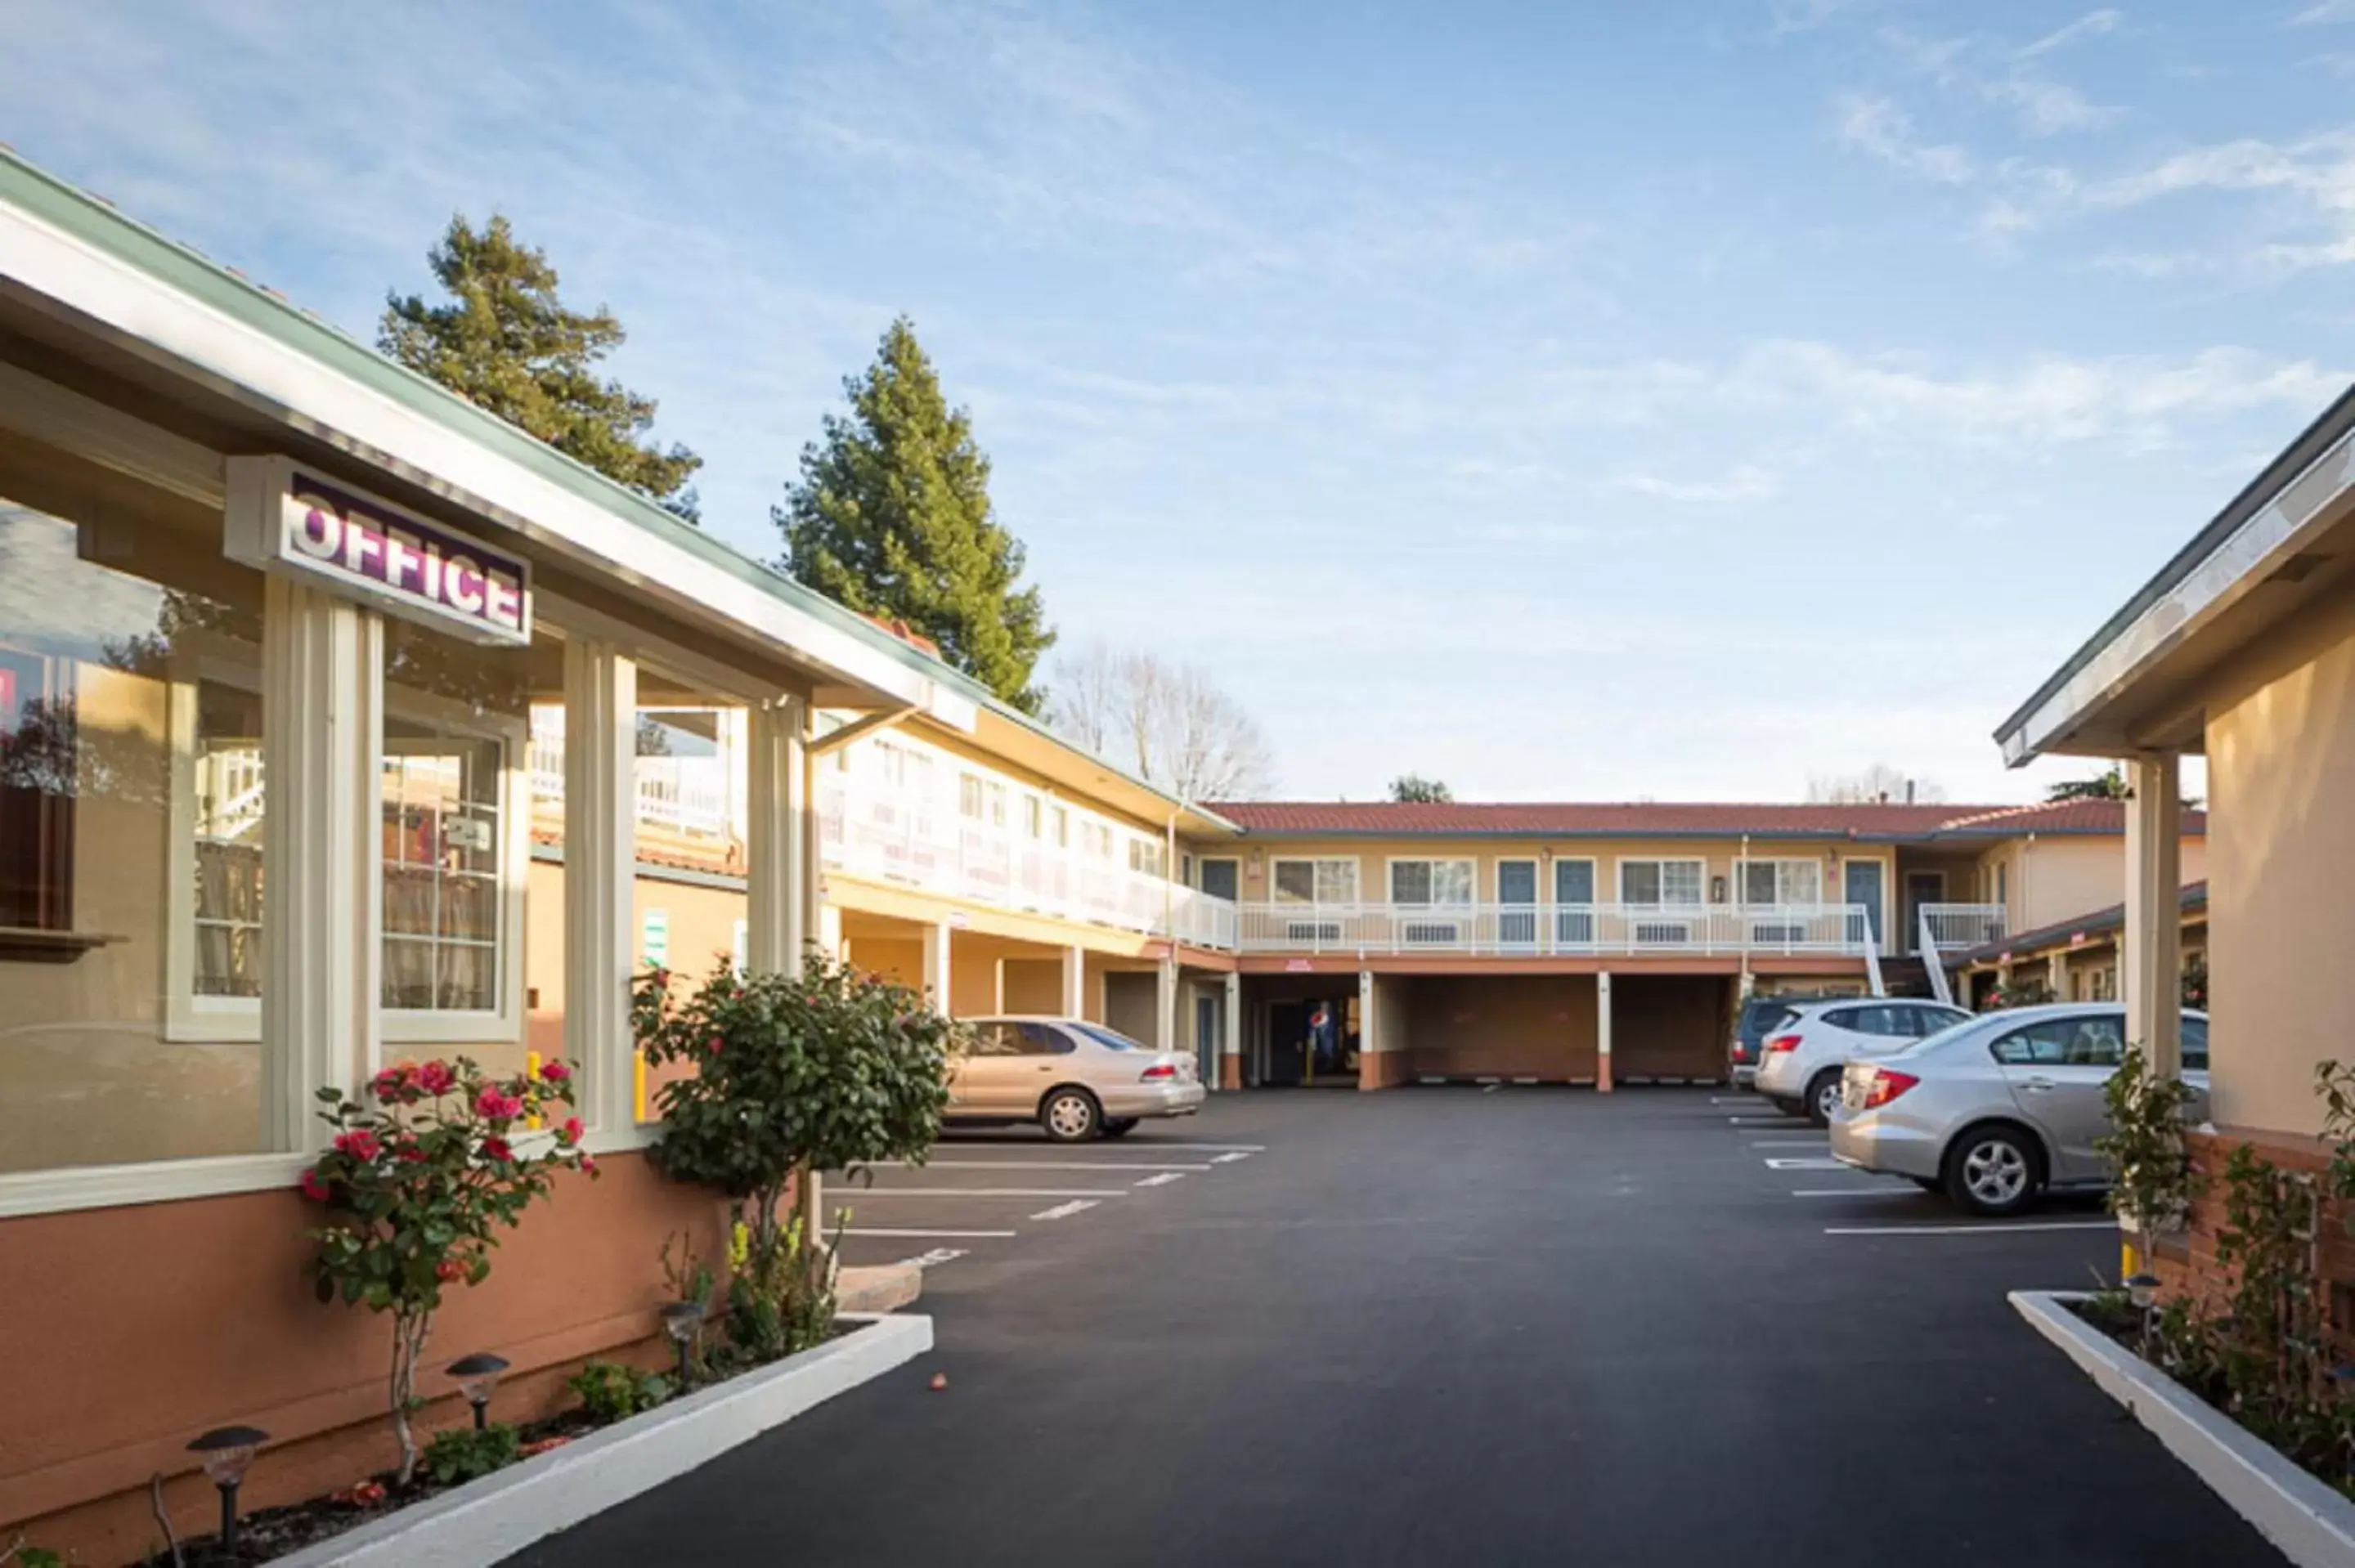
[(1862, 885), (1517, 892)]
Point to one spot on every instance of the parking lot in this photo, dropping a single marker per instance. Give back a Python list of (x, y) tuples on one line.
[(1523, 1325)]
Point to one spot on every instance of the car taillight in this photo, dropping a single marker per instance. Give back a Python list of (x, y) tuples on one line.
[(1782, 1042), (1740, 1052), (1887, 1085), (1163, 1071)]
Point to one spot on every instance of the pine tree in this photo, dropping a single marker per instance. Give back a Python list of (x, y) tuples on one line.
[(891, 517), (506, 344)]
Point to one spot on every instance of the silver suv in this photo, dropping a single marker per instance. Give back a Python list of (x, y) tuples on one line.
[(1800, 1062)]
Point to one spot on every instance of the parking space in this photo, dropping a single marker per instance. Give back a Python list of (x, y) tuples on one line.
[(1510, 1324), (983, 1193)]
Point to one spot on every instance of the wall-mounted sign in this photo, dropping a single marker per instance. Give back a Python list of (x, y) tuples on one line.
[(653, 939), (282, 517)]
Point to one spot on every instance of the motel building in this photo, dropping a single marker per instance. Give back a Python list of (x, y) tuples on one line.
[(342, 724), (2242, 651)]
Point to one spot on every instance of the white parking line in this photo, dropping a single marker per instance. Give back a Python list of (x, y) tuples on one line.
[(1775, 1162), (1065, 1210), (1766, 1120), (1164, 1178), (1219, 1160), (1908, 1191), (1734, 1099), (1053, 1164), (1791, 1143), (1969, 1230), (930, 1235), (934, 1258), (866, 1192)]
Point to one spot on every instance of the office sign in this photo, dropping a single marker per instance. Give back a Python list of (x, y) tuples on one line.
[(283, 518)]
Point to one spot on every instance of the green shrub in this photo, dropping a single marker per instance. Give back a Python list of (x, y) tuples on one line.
[(611, 1392), (463, 1453)]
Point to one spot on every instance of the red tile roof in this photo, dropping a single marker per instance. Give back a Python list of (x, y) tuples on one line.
[(1649, 820)]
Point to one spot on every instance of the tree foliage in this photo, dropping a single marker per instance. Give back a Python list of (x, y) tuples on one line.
[(2109, 786), (505, 343), (891, 516), (1414, 789), (1166, 721)]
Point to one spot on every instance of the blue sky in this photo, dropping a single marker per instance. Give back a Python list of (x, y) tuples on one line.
[(1669, 400)]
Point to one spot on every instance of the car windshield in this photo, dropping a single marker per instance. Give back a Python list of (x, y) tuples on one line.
[(1761, 1018), (1110, 1039)]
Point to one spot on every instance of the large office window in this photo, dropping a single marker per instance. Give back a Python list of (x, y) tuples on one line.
[(1660, 882), (132, 807)]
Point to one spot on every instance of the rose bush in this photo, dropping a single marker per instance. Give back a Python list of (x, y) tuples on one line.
[(423, 1171)]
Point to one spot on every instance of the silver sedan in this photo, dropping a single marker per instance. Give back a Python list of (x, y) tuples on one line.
[(1993, 1111), (1076, 1079)]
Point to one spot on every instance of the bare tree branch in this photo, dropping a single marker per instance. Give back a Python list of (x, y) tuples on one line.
[(1880, 782), (1166, 722)]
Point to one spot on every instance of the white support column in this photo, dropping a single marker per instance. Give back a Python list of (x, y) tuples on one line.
[(1602, 1030), (1165, 1004), (1231, 1059), (937, 991), (781, 877), (997, 985), (2056, 974), (2151, 952), (1371, 1043), (1075, 982), (601, 716), (321, 742)]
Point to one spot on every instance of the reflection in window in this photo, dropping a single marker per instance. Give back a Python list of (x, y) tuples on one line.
[(443, 838), (227, 790)]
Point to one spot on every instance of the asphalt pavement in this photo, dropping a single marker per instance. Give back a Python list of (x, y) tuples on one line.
[(1526, 1325)]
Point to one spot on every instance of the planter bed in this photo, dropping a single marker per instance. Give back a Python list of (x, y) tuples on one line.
[(2312, 1522), (481, 1522)]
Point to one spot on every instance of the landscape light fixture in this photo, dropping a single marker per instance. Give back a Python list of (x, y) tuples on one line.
[(682, 1320), (477, 1375), (228, 1453), (2142, 1289)]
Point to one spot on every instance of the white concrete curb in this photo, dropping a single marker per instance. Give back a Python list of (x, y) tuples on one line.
[(2313, 1525), (485, 1520)]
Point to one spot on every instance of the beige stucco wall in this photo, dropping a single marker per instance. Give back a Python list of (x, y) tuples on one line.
[(2054, 879), (2281, 869)]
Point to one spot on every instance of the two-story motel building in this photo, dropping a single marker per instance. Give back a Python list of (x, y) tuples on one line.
[(343, 724)]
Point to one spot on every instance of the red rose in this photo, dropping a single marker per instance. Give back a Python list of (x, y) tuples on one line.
[(570, 1131), (588, 1163), (715, 1044), (409, 1154), (448, 1269), (386, 1085), (359, 1143), (555, 1073), (494, 1103), (312, 1188), (496, 1149), (435, 1078)]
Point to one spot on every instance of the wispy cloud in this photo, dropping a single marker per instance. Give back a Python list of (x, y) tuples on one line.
[(2325, 11), (1744, 482), (2092, 25), (1878, 127)]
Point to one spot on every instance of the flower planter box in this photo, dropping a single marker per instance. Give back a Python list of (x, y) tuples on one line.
[(485, 1520), (2313, 1525)]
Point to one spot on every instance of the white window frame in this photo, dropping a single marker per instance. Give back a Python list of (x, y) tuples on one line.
[(1313, 862), (1550, 890), (1742, 881), (502, 1025), (1202, 863), (1471, 879), (1701, 879), (190, 1019)]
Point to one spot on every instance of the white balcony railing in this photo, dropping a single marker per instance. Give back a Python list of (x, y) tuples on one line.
[(920, 838), (1954, 926), (1508, 930)]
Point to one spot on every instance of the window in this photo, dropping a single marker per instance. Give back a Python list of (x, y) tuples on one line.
[(2089, 1040), (453, 838), (1034, 817), (1928, 1020), (969, 797), (1895, 1022), (1573, 890), (2195, 1044), (1019, 1040), (131, 809), (1432, 882), (1314, 881), (1221, 878), (1775, 883), (1146, 856), (1095, 840), (1060, 817), (1660, 882)]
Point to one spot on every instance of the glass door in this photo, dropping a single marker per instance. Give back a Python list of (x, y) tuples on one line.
[(1517, 894)]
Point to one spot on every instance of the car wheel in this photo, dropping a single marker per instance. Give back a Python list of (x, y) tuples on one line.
[(1119, 1126), (1787, 1108), (1823, 1096), (1994, 1170), (1070, 1116)]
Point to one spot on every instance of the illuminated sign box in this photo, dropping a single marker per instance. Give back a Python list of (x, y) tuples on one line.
[(285, 519)]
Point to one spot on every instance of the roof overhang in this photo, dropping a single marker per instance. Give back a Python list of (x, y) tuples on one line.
[(97, 272), (1015, 736), (2287, 538)]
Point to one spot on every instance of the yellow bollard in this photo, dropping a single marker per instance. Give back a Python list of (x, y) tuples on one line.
[(638, 1083), (531, 1071)]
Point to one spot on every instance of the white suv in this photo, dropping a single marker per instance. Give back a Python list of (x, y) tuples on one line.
[(1799, 1066)]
